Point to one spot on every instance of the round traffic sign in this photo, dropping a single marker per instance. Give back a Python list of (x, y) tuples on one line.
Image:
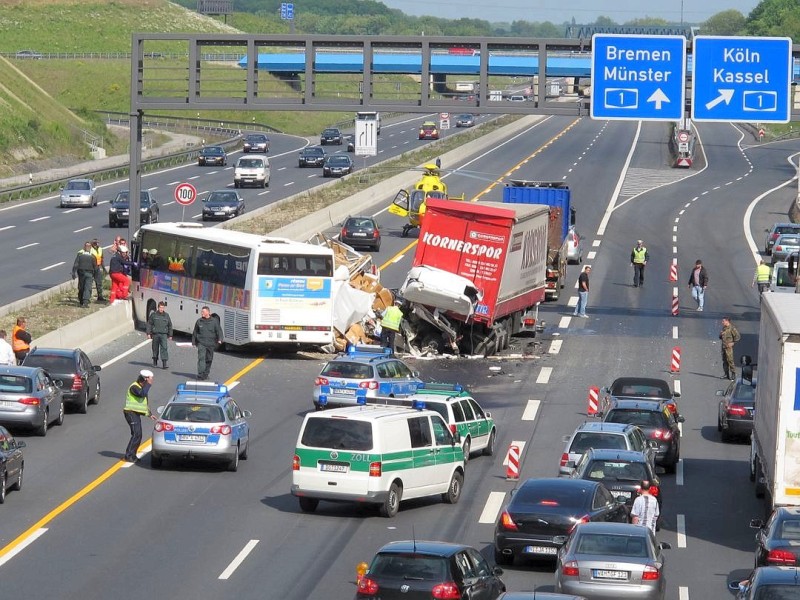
[(683, 136), (444, 116), (185, 193)]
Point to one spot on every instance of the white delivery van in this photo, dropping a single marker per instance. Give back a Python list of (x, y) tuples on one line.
[(376, 455), (370, 116), (252, 169)]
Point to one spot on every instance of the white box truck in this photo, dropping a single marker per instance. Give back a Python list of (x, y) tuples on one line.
[(775, 446)]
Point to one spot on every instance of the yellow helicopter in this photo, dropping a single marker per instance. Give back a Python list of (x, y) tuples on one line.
[(411, 204)]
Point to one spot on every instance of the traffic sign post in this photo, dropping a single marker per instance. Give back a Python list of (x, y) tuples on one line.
[(742, 79), (185, 194), (638, 77), (444, 120)]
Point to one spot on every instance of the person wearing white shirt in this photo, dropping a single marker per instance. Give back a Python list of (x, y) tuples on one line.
[(6, 352)]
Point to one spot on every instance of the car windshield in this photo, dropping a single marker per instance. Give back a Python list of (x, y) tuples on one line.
[(331, 132), (251, 163), (786, 229), (221, 197), (340, 434), (776, 591), (212, 151), (788, 240), (409, 566), (122, 198), (616, 470), (359, 222), (347, 370), (78, 185), (612, 545), (585, 440), (313, 151), (193, 413), (642, 418), (338, 161), (56, 364), (15, 384), (256, 139)]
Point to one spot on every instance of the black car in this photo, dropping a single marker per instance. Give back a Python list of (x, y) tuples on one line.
[(12, 463), (331, 135), (212, 155), (778, 540), (736, 409), (73, 370), (118, 210), (350, 139), (416, 570), (222, 205), (768, 583), (361, 231), (641, 388), (543, 512), (657, 422), (312, 156), (337, 165), (256, 142)]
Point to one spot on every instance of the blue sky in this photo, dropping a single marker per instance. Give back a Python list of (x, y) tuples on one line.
[(584, 11)]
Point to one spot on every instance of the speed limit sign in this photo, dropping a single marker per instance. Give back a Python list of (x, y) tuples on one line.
[(185, 194)]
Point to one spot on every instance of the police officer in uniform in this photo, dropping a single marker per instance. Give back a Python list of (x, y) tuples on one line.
[(136, 406), (762, 276), (84, 268), (99, 274), (207, 335), (390, 324), (728, 337), (159, 329), (639, 259)]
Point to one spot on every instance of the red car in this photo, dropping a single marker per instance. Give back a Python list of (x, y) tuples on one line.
[(428, 131)]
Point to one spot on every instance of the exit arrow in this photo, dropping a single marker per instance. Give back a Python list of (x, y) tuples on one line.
[(724, 96), (658, 97)]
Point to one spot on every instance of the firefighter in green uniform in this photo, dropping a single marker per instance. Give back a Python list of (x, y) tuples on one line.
[(728, 337)]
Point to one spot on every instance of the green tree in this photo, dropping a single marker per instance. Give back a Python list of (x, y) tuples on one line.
[(647, 22), (727, 22), (775, 18)]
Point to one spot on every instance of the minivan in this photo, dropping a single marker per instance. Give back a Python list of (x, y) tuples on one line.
[(252, 169)]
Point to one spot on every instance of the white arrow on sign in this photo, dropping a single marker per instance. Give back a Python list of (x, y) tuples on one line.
[(658, 97), (724, 96)]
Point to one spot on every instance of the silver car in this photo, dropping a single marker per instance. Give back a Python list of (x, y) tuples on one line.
[(201, 421), (574, 247), (612, 560), (29, 398), (78, 192), (602, 435), (786, 244)]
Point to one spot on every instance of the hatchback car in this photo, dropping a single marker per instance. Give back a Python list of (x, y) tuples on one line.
[(337, 165), (212, 155), (768, 583), (658, 423), (361, 231), (78, 192), (201, 421), (612, 436), (222, 205), (778, 540), (119, 209), (428, 131), (73, 371), (775, 231), (312, 156), (29, 398), (330, 135), (785, 244), (416, 570), (612, 561), (12, 463), (364, 371), (543, 512), (465, 121), (256, 142), (736, 409)]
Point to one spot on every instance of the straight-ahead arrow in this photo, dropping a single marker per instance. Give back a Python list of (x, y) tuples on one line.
[(658, 97), (724, 96)]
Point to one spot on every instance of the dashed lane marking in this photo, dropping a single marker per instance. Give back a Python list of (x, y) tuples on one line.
[(591, 255), (531, 409), (20, 547), (31, 245), (674, 332), (492, 507), (565, 321), (681, 531), (544, 375), (248, 548), (52, 266), (555, 346), (679, 473), (595, 243), (573, 301)]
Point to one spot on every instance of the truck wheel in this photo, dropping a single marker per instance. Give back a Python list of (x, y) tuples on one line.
[(760, 487), (391, 504), (432, 341)]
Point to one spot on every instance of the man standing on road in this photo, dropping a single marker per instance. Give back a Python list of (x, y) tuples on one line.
[(390, 325), (645, 509), (728, 337), (159, 329), (136, 406), (207, 335), (762, 277), (6, 352), (698, 281), (100, 273), (583, 293), (84, 269), (639, 259), (21, 339)]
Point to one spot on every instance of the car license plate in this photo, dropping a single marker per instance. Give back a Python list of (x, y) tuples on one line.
[(621, 493), (359, 234), (540, 550), (191, 438), (219, 213), (344, 391), (333, 468), (124, 213), (601, 574), (7, 403)]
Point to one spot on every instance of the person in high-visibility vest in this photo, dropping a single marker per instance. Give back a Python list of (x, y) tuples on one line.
[(136, 406), (639, 259), (176, 264), (390, 325), (762, 277), (100, 274), (20, 340)]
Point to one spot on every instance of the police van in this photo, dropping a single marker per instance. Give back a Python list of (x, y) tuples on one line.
[(376, 455)]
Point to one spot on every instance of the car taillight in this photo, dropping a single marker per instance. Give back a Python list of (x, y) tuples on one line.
[(781, 557), (775, 236), (77, 382), (368, 385), (575, 242), (344, 233), (221, 429), (661, 434), (376, 234), (446, 591), (296, 463), (162, 426), (367, 586), (650, 573), (29, 401), (375, 469), (529, 322), (321, 381), (739, 411), (570, 569), (583, 519), (778, 248), (564, 459), (506, 522)]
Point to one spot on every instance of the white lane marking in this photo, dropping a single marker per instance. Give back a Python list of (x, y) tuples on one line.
[(681, 531), (28, 246), (687, 205), (311, 176), (544, 375), (82, 229), (683, 210), (518, 444), (674, 228), (529, 414), (7, 227), (248, 548), (677, 219), (679, 472), (677, 385), (573, 301), (124, 354), (615, 195), (288, 184), (194, 177), (71, 210), (555, 346), (492, 507), (397, 259), (168, 203), (173, 183), (565, 321), (281, 168), (233, 385), (674, 239), (52, 266), (38, 219), (675, 261), (675, 291), (264, 192), (143, 450), (683, 593), (674, 332), (674, 249), (22, 545), (595, 243), (591, 255)]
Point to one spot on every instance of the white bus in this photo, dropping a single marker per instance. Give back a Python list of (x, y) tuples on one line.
[(263, 290)]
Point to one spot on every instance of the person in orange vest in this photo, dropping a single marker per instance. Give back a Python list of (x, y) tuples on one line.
[(20, 340)]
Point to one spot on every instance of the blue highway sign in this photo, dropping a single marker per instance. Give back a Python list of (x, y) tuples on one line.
[(742, 79), (638, 77)]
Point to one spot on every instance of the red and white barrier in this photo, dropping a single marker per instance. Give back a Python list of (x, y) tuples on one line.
[(673, 271), (593, 400), (512, 468), (675, 305), (675, 363)]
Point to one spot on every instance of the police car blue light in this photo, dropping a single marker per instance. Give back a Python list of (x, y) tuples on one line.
[(362, 400), (323, 400), (418, 405)]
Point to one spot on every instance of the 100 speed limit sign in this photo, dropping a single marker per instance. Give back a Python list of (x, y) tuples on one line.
[(185, 194)]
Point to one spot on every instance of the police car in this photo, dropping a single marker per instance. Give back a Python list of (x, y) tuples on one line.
[(363, 372), (201, 421)]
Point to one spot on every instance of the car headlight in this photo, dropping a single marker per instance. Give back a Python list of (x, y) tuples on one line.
[(112, 210), (144, 209)]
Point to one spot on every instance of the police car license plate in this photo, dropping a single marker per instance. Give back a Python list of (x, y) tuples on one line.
[(540, 550), (344, 391), (601, 574), (333, 468), (191, 438)]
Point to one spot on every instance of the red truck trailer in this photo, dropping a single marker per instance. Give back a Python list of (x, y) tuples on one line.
[(478, 276)]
